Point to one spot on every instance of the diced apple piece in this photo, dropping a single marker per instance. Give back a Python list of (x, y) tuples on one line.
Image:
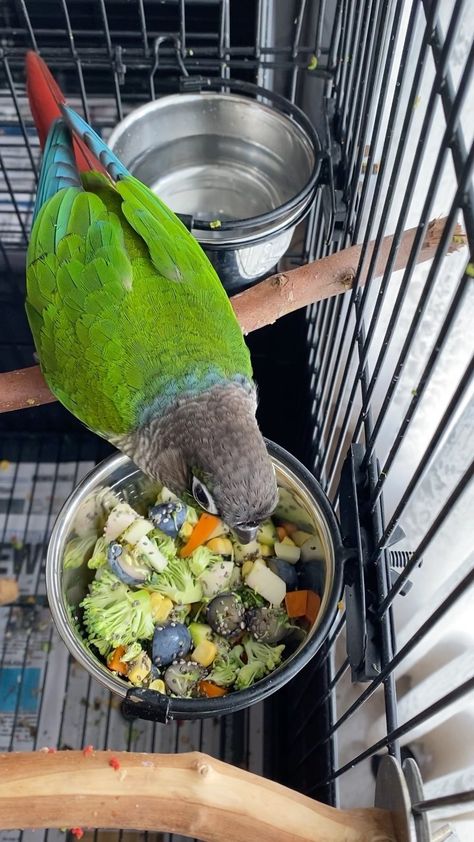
[(287, 552), (299, 537), (120, 518), (246, 568), (312, 549), (138, 529), (221, 530), (267, 533), (147, 552), (216, 578), (266, 583), (246, 551)]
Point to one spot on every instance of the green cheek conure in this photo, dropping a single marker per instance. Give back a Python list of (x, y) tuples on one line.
[(134, 331)]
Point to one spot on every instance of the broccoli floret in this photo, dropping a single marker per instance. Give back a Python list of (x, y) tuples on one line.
[(192, 516), (132, 652), (114, 615), (165, 544), (261, 659), (226, 666), (201, 559), (250, 598), (179, 613), (177, 583), (223, 645), (78, 550), (99, 555), (248, 674), (268, 625), (269, 656)]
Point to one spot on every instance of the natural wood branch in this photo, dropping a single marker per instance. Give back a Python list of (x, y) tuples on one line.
[(23, 389), (190, 794), (267, 301), (281, 294)]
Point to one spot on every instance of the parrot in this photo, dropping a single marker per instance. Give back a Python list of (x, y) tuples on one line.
[(133, 329)]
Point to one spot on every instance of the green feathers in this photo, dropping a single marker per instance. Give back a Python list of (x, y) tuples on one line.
[(125, 309)]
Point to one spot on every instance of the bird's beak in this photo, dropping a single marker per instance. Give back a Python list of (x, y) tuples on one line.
[(246, 532)]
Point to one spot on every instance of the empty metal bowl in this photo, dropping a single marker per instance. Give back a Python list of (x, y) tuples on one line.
[(67, 588), (243, 171)]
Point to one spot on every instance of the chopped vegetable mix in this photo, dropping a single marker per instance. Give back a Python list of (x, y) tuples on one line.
[(179, 606)]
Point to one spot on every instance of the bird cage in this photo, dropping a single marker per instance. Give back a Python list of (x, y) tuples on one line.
[(370, 386)]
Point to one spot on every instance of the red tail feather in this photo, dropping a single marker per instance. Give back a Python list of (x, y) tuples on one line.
[(45, 96)]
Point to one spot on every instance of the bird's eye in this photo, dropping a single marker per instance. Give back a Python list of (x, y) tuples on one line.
[(203, 497)]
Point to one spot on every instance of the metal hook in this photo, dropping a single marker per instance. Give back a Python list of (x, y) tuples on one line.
[(176, 40)]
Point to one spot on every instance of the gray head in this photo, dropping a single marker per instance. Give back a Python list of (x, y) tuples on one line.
[(209, 446)]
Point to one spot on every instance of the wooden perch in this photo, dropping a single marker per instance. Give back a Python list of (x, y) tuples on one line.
[(265, 302), (190, 794), (281, 294)]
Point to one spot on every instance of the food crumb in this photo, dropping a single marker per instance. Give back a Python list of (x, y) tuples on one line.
[(87, 751), (123, 775), (115, 763), (77, 832)]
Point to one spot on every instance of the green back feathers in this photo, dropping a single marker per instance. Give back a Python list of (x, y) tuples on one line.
[(125, 309)]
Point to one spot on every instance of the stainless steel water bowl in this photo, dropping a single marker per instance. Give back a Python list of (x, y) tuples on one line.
[(221, 157)]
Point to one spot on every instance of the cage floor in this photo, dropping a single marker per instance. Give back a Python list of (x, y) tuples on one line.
[(46, 698)]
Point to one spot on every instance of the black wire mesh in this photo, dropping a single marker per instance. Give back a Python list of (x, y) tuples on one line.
[(388, 86)]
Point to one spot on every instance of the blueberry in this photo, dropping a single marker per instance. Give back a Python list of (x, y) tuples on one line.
[(225, 614), (285, 571), (311, 576), (170, 642), (155, 673), (124, 567), (168, 517)]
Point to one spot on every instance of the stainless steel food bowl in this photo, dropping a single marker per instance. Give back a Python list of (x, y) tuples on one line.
[(67, 588), (244, 171)]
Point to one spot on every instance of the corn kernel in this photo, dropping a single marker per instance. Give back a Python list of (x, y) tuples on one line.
[(204, 653), (246, 568), (185, 531), (161, 607), (139, 670), (220, 545), (158, 685), (265, 550)]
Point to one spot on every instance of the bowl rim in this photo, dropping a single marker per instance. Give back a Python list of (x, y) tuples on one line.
[(277, 217), (145, 704)]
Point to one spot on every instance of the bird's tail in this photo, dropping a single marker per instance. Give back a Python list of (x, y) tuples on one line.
[(85, 134), (46, 97), (58, 168)]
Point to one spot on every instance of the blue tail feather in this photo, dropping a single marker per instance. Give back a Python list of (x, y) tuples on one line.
[(58, 168), (99, 149)]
